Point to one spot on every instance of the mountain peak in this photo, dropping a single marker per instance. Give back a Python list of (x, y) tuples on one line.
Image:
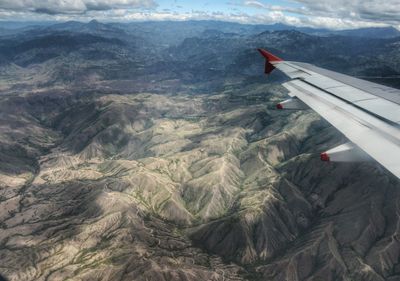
[(94, 22)]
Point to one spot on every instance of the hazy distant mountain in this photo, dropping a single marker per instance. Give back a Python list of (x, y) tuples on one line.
[(194, 28), (372, 32), (23, 24), (228, 54), (124, 157), (92, 27)]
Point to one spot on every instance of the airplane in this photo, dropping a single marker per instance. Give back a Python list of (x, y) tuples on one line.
[(368, 114)]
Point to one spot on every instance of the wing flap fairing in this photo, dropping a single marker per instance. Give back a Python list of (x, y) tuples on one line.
[(293, 104), (348, 152)]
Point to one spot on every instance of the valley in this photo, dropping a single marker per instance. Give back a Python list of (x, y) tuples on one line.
[(122, 160)]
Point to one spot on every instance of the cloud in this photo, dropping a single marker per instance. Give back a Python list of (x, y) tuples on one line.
[(269, 17), (341, 14), (336, 14), (255, 4), (364, 10), (127, 15), (53, 7), (376, 10)]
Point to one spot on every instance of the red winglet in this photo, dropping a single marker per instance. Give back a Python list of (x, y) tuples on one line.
[(268, 56), (268, 59), (325, 157)]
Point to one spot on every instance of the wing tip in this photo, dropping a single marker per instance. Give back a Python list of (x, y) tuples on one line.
[(268, 56), (269, 60)]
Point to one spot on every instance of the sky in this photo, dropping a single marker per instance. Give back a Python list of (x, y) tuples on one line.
[(332, 14)]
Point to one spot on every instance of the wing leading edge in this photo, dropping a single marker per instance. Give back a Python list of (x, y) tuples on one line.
[(368, 114)]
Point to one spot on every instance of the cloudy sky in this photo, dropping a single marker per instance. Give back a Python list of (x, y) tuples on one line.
[(336, 14)]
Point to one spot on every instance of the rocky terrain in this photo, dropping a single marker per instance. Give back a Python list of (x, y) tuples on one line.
[(125, 160)]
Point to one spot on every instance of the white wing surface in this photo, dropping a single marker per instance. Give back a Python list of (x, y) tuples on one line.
[(368, 114)]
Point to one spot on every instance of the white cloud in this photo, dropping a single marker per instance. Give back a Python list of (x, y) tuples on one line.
[(255, 4), (338, 14), (387, 10), (341, 14), (72, 6), (125, 15)]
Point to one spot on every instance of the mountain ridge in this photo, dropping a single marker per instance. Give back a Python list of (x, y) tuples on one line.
[(144, 161)]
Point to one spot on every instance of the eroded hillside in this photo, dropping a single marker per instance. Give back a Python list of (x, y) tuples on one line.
[(137, 186), (167, 170)]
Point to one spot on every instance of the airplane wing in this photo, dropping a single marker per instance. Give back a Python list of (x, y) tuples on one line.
[(368, 114)]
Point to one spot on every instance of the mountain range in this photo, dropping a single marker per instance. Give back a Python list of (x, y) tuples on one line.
[(153, 151)]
